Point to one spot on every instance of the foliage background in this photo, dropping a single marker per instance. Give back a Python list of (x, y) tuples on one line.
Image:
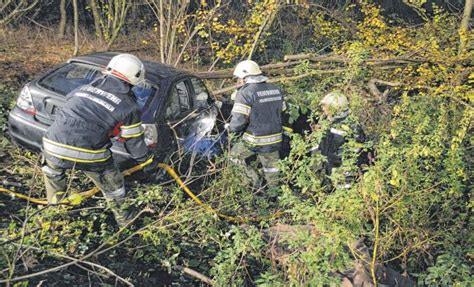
[(412, 207)]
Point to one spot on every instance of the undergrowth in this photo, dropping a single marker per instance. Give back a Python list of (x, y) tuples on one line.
[(412, 207)]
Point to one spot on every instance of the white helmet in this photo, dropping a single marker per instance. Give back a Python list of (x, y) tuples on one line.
[(247, 68), (336, 101), (126, 67)]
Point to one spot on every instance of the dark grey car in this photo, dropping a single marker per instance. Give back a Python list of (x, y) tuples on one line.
[(177, 109)]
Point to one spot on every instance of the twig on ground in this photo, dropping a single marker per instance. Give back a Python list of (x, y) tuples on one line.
[(195, 274)]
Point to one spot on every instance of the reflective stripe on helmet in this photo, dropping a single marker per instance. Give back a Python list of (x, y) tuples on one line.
[(132, 131), (76, 154), (241, 109), (262, 140), (119, 75)]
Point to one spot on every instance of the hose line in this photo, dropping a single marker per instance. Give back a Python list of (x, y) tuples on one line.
[(91, 192)]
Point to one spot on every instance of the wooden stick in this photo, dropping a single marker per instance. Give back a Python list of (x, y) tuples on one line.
[(77, 261), (195, 274), (374, 90)]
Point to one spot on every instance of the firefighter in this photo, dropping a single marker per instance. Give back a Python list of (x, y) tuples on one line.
[(343, 139), (256, 119), (79, 138)]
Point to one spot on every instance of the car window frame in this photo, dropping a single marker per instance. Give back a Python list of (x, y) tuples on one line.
[(194, 93), (169, 94), (151, 97)]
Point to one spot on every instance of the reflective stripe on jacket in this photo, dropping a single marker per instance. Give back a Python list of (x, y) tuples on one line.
[(76, 154), (257, 113)]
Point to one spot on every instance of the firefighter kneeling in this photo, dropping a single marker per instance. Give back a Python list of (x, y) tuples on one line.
[(80, 136)]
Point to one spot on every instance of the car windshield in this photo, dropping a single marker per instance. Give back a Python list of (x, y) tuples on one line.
[(74, 75)]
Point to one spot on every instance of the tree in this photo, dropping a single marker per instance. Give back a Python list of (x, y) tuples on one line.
[(76, 27), (169, 14), (63, 20), (464, 28), (95, 14), (14, 9), (109, 17)]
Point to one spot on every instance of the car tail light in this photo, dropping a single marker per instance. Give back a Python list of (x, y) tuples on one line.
[(25, 102), (151, 134)]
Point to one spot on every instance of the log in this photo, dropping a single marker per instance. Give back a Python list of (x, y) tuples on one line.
[(315, 58), (228, 73), (340, 59), (283, 79), (288, 67)]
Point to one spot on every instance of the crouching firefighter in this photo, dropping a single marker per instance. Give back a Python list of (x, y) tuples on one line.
[(342, 143), (256, 117), (80, 136)]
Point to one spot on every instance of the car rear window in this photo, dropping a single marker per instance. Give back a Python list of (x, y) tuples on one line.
[(74, 75), (69, 77)]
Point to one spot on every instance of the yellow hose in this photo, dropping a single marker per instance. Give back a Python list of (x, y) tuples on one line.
[(82, 195), (172, 173)]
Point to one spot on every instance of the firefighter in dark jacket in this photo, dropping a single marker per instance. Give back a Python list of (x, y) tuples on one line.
[(343, 140), (80, 136), (256, 117)]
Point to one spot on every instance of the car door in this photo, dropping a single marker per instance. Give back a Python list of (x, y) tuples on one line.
[(174, 116)]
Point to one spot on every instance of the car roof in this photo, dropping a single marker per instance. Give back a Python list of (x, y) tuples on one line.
[(154, 71)]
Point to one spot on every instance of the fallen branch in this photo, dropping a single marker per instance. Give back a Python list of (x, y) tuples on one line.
[(228, 73), (313, 57), (107, 270), (97, 251), (374, 90), (283, 79), (195, 274), (340, 59), (288, 67)]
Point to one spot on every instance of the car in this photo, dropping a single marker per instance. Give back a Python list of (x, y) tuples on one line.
[(178, 112)]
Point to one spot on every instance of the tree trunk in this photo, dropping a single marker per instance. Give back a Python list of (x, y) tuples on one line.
[(162, 33), (76, 27), (95, 14), (464, 28), (63, 20), (120, 12)]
